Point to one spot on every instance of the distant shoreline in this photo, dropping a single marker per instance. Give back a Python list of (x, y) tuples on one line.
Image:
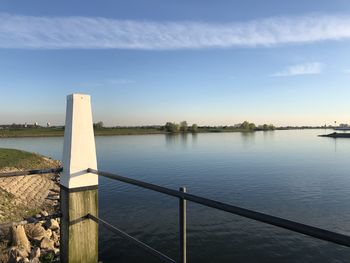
[(107, 132), (59, 132)]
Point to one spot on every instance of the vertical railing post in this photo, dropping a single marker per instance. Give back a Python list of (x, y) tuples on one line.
[(183, 229), (79, 235)]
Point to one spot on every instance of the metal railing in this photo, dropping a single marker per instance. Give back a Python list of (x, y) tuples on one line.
[(183, 196), (31, 172), (137, 242), (311, 231)]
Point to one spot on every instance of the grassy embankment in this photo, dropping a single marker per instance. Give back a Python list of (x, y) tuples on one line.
[(13, 208), (22, 160), (10, 208)]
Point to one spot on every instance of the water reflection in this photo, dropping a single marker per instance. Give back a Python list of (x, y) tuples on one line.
[(248, 138), (181, 139), (194, 138)]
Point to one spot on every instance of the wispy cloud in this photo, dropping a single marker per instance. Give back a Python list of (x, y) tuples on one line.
[(29, 32), (120, 81), (301, 69), (107, 83)]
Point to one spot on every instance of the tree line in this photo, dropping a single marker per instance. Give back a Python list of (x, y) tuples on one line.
[(180, 127), (173, 127), (183, 127), (249, 126)]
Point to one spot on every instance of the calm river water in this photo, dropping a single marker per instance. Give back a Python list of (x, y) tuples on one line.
[(291, 174)]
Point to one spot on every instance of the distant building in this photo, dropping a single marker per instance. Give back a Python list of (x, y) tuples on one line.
[(25, 125), (35, 124), (48, 125), (343, 127)]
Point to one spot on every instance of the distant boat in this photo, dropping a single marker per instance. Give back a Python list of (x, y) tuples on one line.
[(336, 135), (342, 129)]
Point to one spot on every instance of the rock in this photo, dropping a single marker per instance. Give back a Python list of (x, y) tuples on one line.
[(24, 260), (16, 254), (52, 224), (46, 243), (2, 234), (35, 232), (12, 255), (35, 260), (49, 233), (19, 238), (35, 253), (38, 216), (31, 219), (53, 197), (57, 243), (44, 213), (22, 252), (54, 236)]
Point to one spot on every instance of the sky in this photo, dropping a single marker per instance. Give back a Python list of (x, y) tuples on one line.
[(152, 61)]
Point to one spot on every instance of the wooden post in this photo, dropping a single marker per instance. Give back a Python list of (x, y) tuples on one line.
[(79, 235), (182, 226)]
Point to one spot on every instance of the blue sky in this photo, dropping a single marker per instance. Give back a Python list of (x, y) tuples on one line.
[(148, 62)]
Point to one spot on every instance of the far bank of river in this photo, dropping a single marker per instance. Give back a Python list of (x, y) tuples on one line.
[(59, 131)]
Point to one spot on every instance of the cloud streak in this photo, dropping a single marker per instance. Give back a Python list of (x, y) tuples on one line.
[(301, 69), (29, 32)]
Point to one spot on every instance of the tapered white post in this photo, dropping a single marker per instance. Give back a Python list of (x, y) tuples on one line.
[(79, 194)]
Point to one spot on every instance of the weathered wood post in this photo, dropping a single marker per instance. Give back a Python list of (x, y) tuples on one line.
[(79, 235)]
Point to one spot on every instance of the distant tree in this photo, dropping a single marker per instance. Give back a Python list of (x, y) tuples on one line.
[(98, 125), (172, 127), (272, 127), (194, 128), (183, 126), (252, 126), (245, 125), (267, 127)]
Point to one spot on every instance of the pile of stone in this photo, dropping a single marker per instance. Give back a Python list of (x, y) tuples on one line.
[(35, 242)]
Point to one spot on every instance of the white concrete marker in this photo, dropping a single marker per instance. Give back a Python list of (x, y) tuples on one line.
[(79, 152)]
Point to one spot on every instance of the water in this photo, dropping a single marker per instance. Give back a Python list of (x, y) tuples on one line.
[(291, 174)]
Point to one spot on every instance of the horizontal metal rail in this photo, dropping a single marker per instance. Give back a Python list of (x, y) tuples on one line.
[(139, 243), (31, 172), (315, 232)]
